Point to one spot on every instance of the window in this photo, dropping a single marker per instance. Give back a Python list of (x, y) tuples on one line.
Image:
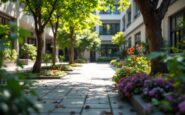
[(129, 42), (108, 11), (129, 17), (124, 23), (137, 38), (137, 11), (177, 32), (109, 28), (109, 50), (116, 11)]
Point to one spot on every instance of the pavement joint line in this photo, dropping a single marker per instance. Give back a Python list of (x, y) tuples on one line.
[(83, 105), (111, 109), (66, 94), (50, 90)]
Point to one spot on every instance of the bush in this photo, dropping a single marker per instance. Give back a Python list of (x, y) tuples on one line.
[(139, 64), (65, 67), (61, 58), (156, 88), (10, 55), (104, 59), (131, 85), (133, 65), (112, 62), (15, 91), (120, 73), (52, 73), (29, 50), (116, 63), (46, 58), (81, 60)]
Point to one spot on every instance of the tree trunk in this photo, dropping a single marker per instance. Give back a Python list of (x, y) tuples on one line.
[(152, 16), (71, 47), (37, 65), (156, 43), (54, 51)]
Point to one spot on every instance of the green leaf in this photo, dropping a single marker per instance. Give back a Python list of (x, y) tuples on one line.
[(155, 101), (165, 105), (154, 55)]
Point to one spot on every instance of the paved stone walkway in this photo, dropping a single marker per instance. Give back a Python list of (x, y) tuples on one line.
[(88, 90)]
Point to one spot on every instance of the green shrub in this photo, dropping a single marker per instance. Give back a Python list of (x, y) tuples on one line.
[(121, 72), (104, 59), (61, 58), (81, 60), (65, 67), (10, 55), (139, 64), (116, 63), (29, 50), (52, 73), (46, 58), (15, 90), (112, 62), (133, 65)]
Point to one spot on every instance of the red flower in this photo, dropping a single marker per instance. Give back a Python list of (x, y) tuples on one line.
[(130, 50)]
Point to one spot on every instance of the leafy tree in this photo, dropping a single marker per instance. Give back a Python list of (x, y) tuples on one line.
[(63, 40), (78, 16), (41, 10), (55, 23), (119, 39), (153, 12), (87, 40)]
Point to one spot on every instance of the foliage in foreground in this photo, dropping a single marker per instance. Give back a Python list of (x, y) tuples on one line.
[(15, 91)]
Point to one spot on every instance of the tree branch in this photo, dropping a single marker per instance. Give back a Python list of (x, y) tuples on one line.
[(163, 8), (155, 3), (29, 6), (50, 13)]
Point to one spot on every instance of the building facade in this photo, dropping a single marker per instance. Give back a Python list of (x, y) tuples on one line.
[(172, 24)]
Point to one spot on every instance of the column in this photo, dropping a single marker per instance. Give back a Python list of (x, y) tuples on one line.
[(44, 42), (57, 54), (132, 10), (16, 43)]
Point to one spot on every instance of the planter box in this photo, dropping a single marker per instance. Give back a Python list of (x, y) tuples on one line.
[(25, 61), (142, 107)]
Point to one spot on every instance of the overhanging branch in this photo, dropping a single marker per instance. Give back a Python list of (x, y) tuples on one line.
[(50, 13), (163, 8)]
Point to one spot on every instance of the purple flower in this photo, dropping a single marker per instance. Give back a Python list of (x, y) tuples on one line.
[(152, 93), (182, 107), (159, 80), (129, 85), (169, 98)]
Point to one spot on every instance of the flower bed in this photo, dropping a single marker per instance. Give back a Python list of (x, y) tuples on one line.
[(162, 93), (52, 73)]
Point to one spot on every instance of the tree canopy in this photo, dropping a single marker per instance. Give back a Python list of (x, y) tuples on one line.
[(119, 39)]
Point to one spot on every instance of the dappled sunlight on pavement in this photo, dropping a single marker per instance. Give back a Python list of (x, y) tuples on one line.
[(87, 90)]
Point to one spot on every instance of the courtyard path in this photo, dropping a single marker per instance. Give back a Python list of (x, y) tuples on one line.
[(88, 90)]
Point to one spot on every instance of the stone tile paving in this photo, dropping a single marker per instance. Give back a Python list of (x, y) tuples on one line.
[(88, 90)]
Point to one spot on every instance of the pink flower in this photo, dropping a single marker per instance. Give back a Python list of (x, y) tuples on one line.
[(129, 85), (182, 107)]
